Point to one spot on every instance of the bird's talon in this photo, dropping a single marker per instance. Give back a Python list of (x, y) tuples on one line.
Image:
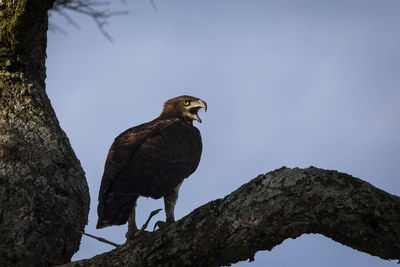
[(160, 225)]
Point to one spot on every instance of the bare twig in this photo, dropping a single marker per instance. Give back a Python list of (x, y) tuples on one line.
[(99, 239), (96, 9), (154, 212)]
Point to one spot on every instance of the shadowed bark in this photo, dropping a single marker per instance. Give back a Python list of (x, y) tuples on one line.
[(43, 191), (261, 214)]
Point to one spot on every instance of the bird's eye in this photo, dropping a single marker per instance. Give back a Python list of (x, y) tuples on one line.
[(186, 103)]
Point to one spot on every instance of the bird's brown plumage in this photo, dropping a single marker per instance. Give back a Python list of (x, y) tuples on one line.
[(151, 160)]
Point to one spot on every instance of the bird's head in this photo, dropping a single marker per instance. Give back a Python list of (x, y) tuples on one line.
[(185, 107)]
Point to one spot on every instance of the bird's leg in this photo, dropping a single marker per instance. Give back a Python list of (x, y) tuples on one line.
[(169, 203), (132, 228)]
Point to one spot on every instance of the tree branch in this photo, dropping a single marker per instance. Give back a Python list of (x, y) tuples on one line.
[(261, 214)]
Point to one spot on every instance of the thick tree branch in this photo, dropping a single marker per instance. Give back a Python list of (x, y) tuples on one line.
[(261, 214)]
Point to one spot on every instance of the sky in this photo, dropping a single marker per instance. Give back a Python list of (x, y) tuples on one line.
[(287, 83)]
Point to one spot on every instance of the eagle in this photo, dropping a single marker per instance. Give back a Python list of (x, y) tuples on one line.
[(150, 160)]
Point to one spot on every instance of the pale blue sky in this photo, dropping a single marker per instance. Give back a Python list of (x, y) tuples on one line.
[(294, 83)]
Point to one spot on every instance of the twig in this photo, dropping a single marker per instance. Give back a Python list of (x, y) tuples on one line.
[(96, 9), (99, 239), (154, 212)]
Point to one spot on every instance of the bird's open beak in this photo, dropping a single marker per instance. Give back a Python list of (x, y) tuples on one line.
[(195, 106)]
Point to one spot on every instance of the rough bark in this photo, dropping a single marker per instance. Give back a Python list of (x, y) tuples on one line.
[(43, 191), (261, 214)]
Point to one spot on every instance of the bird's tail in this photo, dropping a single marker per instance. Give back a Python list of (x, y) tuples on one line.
[(101, 224), (115, 210)]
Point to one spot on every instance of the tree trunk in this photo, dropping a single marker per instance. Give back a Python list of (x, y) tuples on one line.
[(261, 214), (43, 191)]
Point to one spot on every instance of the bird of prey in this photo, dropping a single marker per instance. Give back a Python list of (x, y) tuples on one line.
[(150, 160)]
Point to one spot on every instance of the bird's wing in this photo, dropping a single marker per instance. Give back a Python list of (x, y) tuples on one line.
[(161, 162), (124, 146)]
